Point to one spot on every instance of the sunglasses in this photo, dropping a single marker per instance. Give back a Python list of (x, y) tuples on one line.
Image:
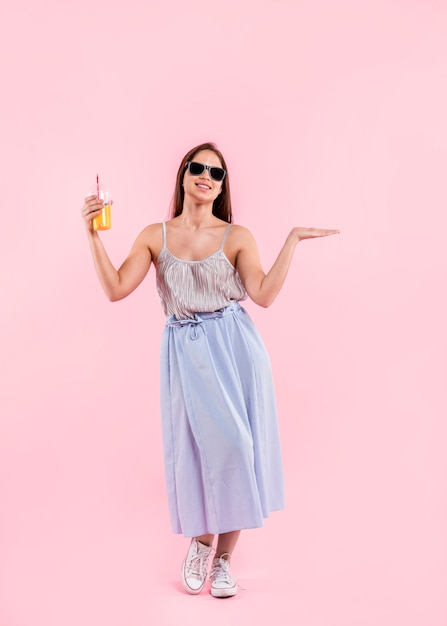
[(195, 169)]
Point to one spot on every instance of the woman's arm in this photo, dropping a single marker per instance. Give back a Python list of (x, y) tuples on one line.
[(117, 284), (261, 287)]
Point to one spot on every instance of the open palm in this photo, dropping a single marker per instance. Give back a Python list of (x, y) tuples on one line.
[(310, 233)]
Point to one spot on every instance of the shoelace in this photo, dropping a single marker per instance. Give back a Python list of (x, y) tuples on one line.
[(199, 563), (221, 572)]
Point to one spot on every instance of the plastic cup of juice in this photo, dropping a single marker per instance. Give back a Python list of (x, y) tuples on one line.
[(103, 221)]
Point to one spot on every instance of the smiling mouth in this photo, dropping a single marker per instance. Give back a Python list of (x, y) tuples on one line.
[(202, 186)]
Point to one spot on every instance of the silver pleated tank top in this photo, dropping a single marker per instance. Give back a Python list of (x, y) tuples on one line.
[(189, 287)]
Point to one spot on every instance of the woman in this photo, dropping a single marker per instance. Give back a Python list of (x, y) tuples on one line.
[(220, 434)]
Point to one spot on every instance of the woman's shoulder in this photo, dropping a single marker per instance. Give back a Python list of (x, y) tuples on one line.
[(239, 229), (151, 237), (240, 232), (151, 230), (239, 239)]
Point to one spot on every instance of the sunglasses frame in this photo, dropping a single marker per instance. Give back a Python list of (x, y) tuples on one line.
[(206, 167)]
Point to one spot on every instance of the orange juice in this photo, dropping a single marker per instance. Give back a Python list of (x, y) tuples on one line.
[(103, 221)]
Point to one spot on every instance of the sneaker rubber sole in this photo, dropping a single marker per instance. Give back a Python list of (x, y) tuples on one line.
[(223, 593)]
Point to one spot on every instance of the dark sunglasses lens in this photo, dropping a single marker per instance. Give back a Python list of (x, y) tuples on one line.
[(196, 168), (217, 173)]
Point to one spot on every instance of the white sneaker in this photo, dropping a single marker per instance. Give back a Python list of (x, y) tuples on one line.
[(222, 584), (195, 566)]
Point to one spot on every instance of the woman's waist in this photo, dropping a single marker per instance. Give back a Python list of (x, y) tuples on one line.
[(202, 316)]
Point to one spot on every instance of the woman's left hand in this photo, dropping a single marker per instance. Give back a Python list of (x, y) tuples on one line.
[(299, 233)]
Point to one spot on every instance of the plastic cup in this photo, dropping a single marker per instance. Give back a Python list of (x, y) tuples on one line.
[(103, 221)]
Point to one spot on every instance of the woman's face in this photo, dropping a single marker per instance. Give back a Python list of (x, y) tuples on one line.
[(203, 188)]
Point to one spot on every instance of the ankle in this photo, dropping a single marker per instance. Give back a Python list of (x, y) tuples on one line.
[(206, 540)]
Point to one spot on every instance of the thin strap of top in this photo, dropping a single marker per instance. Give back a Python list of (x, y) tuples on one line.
[(227, 230), (164, 235)]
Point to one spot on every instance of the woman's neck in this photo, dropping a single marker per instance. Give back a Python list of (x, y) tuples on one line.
[(195, 216)]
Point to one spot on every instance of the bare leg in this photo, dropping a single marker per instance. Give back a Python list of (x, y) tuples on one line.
[(207, 540), (226, 544)]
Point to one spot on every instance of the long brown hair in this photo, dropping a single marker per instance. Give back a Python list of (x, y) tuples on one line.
[(222, 204)]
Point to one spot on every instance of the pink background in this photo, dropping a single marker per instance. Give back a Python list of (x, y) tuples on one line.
[(330, 114)]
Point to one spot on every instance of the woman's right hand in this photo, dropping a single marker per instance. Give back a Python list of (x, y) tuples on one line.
[(92, 207)]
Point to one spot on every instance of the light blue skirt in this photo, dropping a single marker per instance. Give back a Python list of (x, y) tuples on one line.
[(220, 430)]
